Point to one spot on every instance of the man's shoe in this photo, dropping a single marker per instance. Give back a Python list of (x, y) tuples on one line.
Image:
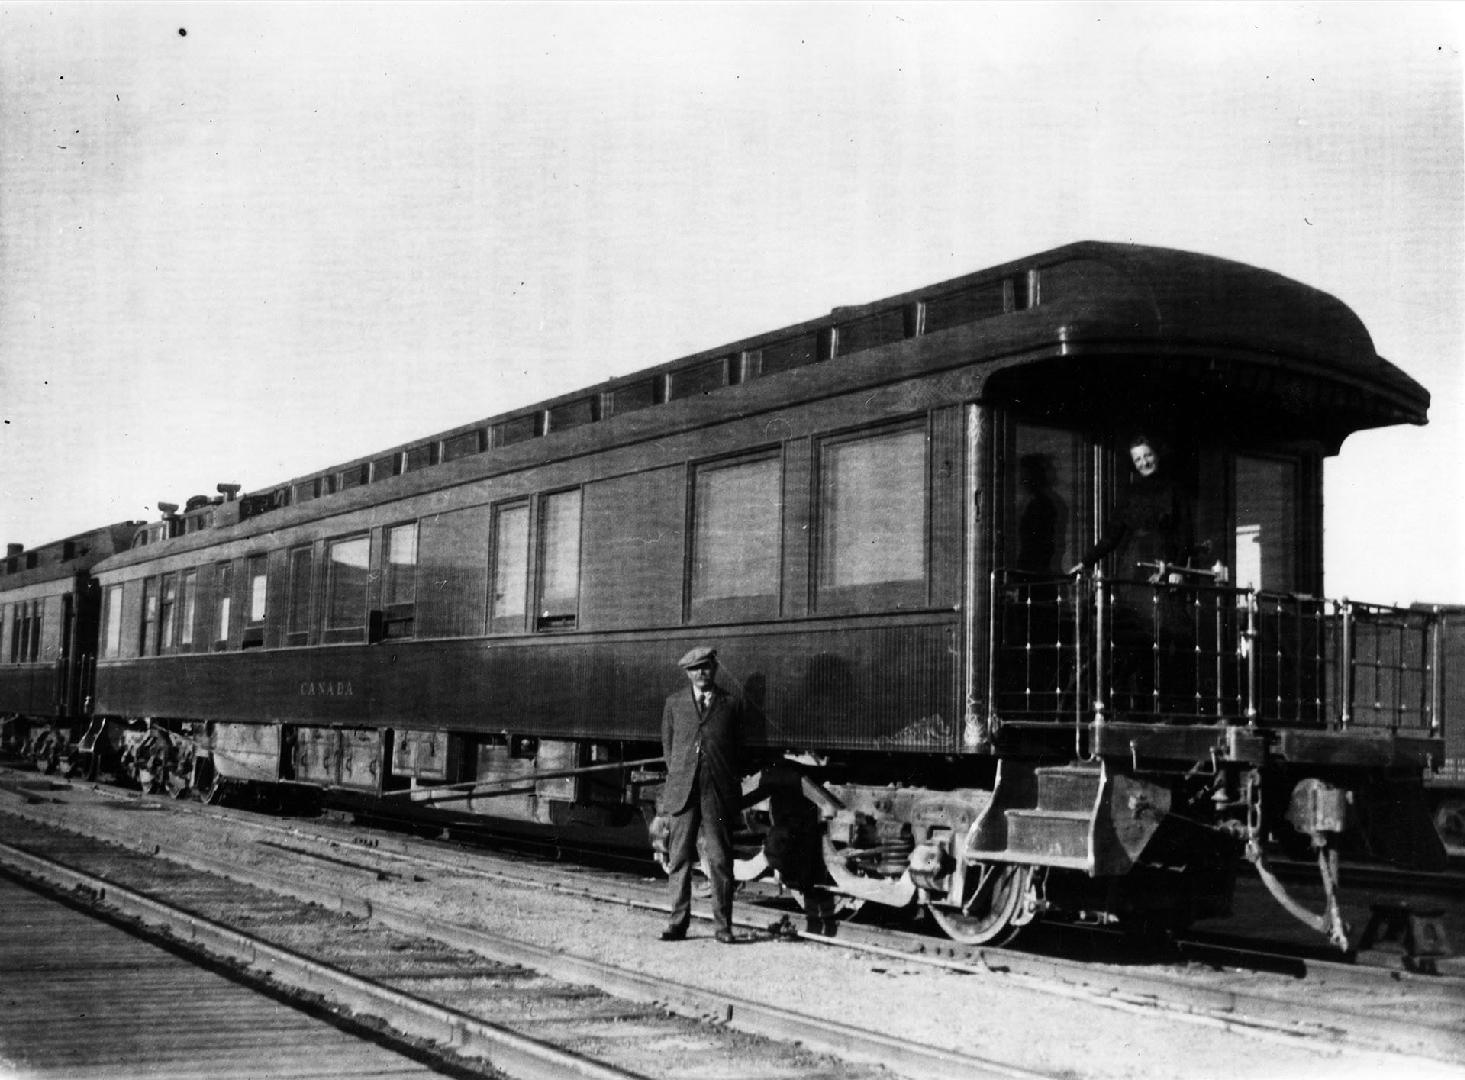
[(674, 933), (726, 937)]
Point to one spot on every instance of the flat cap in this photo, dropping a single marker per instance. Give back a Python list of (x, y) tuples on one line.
[(698, 657)]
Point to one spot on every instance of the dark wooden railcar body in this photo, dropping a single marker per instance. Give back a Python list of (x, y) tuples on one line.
[(48, 631), (836, 507)]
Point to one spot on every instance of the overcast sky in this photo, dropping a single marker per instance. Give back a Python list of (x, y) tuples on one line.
[(239, 243)]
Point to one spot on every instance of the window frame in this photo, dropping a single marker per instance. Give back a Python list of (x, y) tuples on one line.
[(744, 607), (516, 621), (896, 595), (559, 621), (299, 634), (399, 616), (331, 632)]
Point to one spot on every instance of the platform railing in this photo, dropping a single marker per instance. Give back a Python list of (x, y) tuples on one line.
[(1084, 648)]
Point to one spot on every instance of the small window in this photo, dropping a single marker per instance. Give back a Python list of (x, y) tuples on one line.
[(559, 561), (573, 414), (384, 468), (399, 580), (792, 353), (420, 457), (698, 379), (347, 573), (872, 521), (168, 614), (968, 305), (634, 396), (510, 597), (224, 590), (257, 582), (188, 600), (520, 429), (297, 619), (112, 621), (871, 331), (737, 512), (149, 642), (355, 476), (463, 445)]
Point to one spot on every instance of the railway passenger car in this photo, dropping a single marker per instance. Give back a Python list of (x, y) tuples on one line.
[(48, 633), (485, 622)]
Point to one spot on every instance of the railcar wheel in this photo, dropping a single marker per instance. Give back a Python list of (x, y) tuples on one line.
[(992, 912)]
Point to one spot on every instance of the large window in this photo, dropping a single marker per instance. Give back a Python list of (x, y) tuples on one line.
[(510, 569), (168, 614), (559, 561), (347, 571), (1265, 497), (872, 521), (297, 617), (737, 531)]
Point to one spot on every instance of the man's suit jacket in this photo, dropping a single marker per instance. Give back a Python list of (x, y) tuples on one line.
[(714, 737)]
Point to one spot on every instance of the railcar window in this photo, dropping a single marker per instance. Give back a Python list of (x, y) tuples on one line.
[(698, 379), (969, 305), (346, 579), (355, 476), (792, 353), (510, 569), (112, 621), (1265, 498), (517, 430), (572, 414), (188, 599), (149, 643), (4, 632), (469, 442), (384, 468), (167, 612), (872, 521), (420, 457), (12, 626), (637, 395), (879, 329), (559, 560), (297, 618), (224, 591), (399, 579), (35, 642), (737, 527), (257, 584), (1045, 504)]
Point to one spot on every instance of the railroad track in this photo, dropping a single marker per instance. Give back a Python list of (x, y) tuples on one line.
[(476, 999), (1344, 1006)]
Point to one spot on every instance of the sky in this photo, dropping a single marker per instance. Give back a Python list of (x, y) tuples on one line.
[(243, 242)]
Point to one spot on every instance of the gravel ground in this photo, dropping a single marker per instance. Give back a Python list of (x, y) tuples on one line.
[(1063, 1032)]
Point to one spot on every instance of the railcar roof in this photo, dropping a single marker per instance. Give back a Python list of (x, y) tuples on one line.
[(1087, 297)]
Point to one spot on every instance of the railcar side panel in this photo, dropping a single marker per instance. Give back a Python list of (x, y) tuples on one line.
[(840, 685)]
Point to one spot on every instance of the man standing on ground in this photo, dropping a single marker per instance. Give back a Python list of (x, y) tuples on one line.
[(700, 735)]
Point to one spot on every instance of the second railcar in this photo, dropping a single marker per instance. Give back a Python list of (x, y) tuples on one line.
[(485, 622)]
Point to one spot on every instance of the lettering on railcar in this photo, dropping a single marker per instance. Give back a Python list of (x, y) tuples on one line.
[(327, 689)]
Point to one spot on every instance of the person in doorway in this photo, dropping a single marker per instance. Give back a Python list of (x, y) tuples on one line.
[(1150, 532), (701, 734)]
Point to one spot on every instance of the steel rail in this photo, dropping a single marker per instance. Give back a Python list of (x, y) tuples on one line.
[(812, 1032), (505, 1050)]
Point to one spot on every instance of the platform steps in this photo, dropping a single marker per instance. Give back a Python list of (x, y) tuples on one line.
[(1058, 830)]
